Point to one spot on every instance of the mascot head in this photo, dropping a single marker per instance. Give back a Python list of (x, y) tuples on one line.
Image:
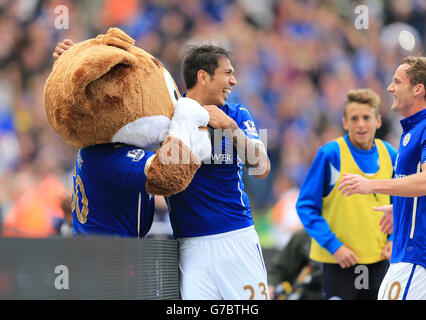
[(105, 90)]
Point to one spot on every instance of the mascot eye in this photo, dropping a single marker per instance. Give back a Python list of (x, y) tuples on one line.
[(171, 86)]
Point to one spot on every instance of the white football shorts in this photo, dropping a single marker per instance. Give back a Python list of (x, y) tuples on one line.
[(403, 281), (227, 266)]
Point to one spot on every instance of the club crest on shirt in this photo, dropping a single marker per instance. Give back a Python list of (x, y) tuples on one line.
[(406, 139), (79, 160), (250, 128), (136, 154)]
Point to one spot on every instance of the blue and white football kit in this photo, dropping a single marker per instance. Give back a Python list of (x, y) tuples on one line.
[(109, 196), (220, 254), (406, 277)]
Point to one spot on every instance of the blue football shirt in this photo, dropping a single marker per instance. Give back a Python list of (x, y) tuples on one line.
[(409, 213), (215, 201), (109, 194)]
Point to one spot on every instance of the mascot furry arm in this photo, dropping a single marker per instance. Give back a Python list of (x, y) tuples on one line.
[(106, 90)]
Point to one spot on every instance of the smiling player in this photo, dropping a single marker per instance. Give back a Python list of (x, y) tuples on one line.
[(345, 231), (220, 253), (406, 278)]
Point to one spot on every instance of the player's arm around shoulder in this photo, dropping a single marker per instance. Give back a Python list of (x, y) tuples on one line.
[(252, 152)]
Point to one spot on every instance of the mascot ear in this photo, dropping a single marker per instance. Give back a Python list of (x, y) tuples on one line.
[(116, 37), (96, 61)]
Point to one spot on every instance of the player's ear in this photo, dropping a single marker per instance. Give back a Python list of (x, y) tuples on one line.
[(202, 77), (379, 121), (419, 90), (344, 122)]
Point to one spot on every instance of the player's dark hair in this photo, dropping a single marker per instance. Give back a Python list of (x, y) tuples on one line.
[(205, 57)]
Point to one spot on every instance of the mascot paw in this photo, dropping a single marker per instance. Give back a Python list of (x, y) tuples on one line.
[(189, 110), (201, 144), (185, 125)]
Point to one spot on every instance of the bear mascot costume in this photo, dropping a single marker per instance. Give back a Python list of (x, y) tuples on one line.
[(136, 136)]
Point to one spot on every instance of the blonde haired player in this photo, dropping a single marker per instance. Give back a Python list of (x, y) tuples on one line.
[(406, 277), (346, 231)]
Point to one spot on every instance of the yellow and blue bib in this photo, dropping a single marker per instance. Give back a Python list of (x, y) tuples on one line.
[(352, 219)]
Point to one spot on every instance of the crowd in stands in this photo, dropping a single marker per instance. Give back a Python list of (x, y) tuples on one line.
[(294, 62)]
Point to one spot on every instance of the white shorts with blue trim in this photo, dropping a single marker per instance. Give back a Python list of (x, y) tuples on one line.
[(403, 281), (226, 266)]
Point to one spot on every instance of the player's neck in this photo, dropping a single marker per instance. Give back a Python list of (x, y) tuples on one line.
[(195, 95), (418, 105)]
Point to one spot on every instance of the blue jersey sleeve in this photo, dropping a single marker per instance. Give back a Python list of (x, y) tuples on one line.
[(309, 204), (124, 167), (245, 121)]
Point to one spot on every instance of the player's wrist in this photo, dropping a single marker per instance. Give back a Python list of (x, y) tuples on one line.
[(377, 186), (230, 128), (232, 125)]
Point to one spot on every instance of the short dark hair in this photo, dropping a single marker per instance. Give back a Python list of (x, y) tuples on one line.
[(204, 57)]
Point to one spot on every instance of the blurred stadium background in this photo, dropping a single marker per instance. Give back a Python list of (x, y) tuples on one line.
[(294, 62)]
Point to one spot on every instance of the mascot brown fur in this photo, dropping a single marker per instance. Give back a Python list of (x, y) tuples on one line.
[(107, 90)]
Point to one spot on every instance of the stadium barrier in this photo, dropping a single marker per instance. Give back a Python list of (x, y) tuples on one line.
[(89, 268)]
